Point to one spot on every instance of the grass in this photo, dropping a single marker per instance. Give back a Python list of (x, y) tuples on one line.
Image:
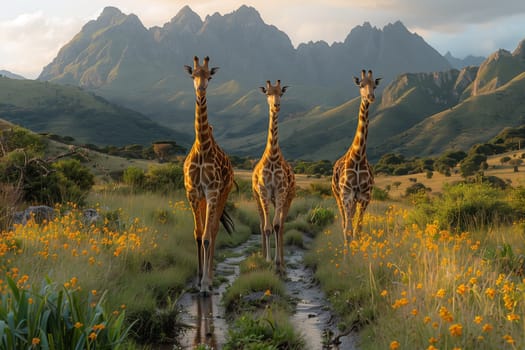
[(406, 286), (259, 307)]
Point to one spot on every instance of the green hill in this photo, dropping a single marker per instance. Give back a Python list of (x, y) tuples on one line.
[(70, 111)]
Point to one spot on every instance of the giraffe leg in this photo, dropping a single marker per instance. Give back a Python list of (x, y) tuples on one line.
[(362, 208), (338, 199), (280, 216), (267, 228), (349, 207), (198, 208), (207, 242), (260, 211)]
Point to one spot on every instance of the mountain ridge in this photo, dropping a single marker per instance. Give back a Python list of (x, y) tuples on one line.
[(141, 68)]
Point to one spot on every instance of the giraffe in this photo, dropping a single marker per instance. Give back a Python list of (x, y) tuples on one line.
[(208, 178), (352, 177), (273, 181)]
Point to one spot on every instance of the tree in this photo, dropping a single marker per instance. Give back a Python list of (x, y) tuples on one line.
[(473, 163)]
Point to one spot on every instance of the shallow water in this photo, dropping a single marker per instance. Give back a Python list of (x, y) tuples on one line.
[(205, 315)]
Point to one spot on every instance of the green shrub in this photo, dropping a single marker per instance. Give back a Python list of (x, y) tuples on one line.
[(165, 178), (416, 188), (269, 331), (58, 318), (46, 183), (321, 216), (467, 206), (294, 237), (379, 194), (134, 177)]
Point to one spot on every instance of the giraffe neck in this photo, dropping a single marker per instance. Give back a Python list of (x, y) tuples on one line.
[(358, 148), (202, 127), (272, 144)]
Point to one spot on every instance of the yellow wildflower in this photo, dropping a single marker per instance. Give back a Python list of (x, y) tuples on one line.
[(462, 289), (394, 344), (456, 330), (490, 292), (487, 327), (508, 338)]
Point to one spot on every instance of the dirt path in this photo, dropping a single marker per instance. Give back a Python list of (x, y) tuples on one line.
[(312, 318)]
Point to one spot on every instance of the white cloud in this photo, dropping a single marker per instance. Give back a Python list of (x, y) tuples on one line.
[(32, 31), (31, 40)]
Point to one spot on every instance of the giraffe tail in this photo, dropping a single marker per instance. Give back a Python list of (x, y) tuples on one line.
[(227, 222)]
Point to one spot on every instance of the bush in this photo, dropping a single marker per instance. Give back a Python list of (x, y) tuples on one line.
[(58, 318), (321, 216), (379, 194), (165, 178), (468, 207), (134, 177), (46, 183), (416, 188)]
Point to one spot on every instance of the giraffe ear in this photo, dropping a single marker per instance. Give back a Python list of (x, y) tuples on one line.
[(357, 82), (263, 89), (283, 89), (188, 69), (214, 70), (377, 81)]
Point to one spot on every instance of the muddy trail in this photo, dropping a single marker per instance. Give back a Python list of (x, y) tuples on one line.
[(312, 318)]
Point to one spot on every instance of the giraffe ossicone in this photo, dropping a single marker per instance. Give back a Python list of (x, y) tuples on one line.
[(352, 177), (273, 181), (208, 178)]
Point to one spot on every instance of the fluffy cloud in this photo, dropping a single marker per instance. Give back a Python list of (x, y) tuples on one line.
[(32, 40)]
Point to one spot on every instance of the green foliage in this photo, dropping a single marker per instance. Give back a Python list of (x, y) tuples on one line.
[(254, 283), (416, 188), (19, 138), (320, 216), (74, 181), (320, 189), (322, 167), (46, 183), (379, 194), (294, 238), (472, 163), (158, 178), (467, 207), (58, 318), (165, 178), (269, 331), (397, 164), (134, 177)]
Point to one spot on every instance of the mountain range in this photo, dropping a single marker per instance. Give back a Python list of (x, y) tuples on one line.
[(424, 106)]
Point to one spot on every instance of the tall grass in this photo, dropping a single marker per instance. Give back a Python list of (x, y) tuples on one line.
[(142, 253), (408, 286)]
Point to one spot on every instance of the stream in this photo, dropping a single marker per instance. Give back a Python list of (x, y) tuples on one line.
[(205, 316)]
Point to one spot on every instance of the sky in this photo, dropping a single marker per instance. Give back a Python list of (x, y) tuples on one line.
[(32, 31)]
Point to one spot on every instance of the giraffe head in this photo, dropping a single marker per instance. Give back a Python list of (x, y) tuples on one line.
[(273, 94), (367, 85), (201, 75)]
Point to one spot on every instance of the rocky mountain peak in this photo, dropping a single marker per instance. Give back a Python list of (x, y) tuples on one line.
[(186, 20), (110, 15), (246, 15), (520, 50)]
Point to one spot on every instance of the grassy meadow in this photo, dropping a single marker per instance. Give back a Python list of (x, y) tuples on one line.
[(411, 280)]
